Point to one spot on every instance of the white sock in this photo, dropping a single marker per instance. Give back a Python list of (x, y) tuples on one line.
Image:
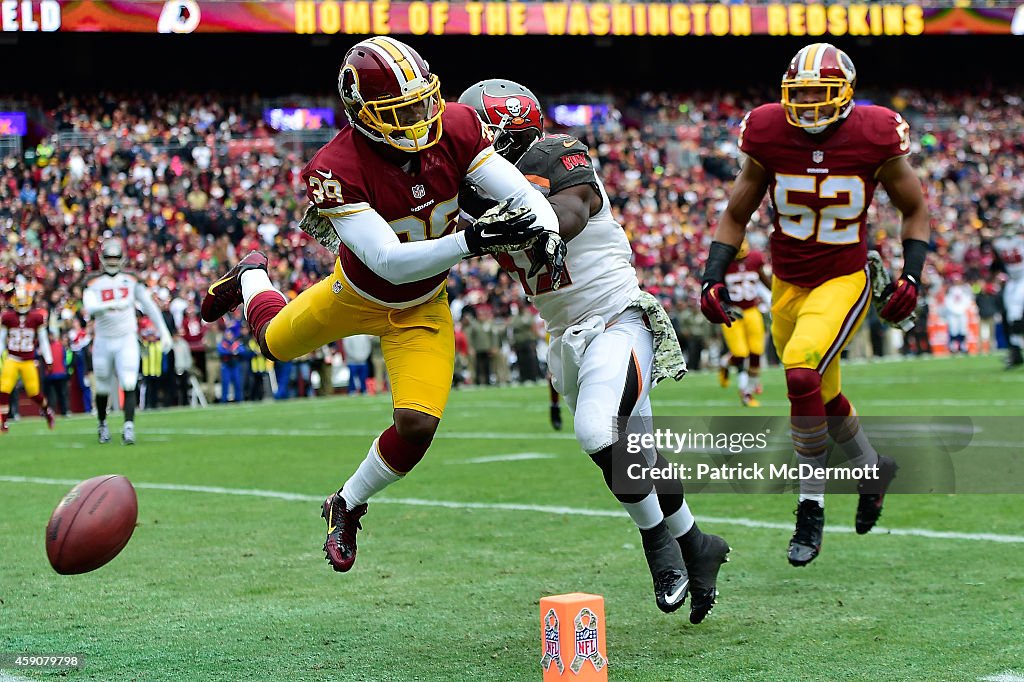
[(253, 282), (755, 382), (646, 513), (680, 522), (372, 476), (743, 381), (813, 488)]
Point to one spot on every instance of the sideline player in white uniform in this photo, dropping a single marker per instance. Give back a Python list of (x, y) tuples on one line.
[(1009, 247), (111, 299), (604, 356)]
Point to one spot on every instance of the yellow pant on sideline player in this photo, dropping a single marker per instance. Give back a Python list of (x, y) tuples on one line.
[(26, 369), (746, 335)]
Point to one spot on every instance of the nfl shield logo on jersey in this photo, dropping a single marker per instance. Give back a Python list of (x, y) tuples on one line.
[(419, 191), (818, 156), (552, 645), (587, 648)]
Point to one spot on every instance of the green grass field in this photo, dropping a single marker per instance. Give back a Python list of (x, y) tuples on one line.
[(229, 582)]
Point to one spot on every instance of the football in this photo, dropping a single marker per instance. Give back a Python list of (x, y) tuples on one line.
[(91, 525)]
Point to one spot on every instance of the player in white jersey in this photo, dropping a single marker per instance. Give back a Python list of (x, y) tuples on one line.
[(111, 299), (1009, 249), (610, 342)]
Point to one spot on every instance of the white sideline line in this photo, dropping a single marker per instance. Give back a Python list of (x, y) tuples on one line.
[(515, 457), (1008, 676), (7, 677), (537, 508)]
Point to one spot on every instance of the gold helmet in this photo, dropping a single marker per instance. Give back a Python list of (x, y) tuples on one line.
[(829, 73), (390, 95), (22, 302)]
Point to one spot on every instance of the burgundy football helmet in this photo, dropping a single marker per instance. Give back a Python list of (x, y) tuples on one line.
[(510, 111), (390, 95), (817, 88)]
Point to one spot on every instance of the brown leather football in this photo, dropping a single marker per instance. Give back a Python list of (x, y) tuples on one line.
[(91, 524)]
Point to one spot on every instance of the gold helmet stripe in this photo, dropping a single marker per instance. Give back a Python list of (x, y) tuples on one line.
[(811, 56), (400, 60)]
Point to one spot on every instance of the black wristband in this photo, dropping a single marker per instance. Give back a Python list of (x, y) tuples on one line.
[(914, 252), (719, 257)]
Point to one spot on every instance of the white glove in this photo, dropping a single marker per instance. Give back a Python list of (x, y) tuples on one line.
[(166, 343)]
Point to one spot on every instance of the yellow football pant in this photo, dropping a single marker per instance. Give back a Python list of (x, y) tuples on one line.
[(746, 335), (28, 372), (418, 342), (810, 327)]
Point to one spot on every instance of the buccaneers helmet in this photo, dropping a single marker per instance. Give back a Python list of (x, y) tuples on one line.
[(22, 302), (112, 256), (390, 95), (510, 111), (817, 88)]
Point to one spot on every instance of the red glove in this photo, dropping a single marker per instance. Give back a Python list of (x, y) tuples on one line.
[(716, 305), (902, 299)]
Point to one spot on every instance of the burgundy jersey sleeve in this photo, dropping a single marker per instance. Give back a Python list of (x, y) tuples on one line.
[(8, 319), (758, 131), (332, 182), (465, 133), (887, 132)]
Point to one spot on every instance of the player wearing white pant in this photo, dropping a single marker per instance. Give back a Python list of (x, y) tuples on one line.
[(610, 342), (1009, 248), (111, 299)]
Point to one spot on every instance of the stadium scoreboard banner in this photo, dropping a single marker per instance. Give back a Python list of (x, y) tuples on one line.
[(362, 17)]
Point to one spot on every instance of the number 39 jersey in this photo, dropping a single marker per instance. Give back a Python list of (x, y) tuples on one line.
[(346, 176), (821, 186), (599, 277)]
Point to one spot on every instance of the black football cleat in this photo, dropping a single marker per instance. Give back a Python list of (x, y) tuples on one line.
[(872, 493), (342, 524), (556, 417), (806, 541), (703, 570), (225, 294), (668, 571)]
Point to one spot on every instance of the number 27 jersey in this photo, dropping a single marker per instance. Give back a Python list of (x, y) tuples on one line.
[(821, 186)]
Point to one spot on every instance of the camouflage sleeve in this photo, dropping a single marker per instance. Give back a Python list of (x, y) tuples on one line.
[(558, 162)]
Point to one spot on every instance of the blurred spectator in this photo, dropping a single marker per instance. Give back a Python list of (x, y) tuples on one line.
[(357, 356)]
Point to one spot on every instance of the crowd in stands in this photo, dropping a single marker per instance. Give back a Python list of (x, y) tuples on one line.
[(191, 183)]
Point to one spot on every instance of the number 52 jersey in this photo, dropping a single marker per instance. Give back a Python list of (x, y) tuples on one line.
[(821, 186)]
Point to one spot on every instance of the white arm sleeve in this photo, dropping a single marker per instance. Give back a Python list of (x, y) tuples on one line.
[(373, 241), (3, 340), (500, 180), (150, 309), (44, 345)]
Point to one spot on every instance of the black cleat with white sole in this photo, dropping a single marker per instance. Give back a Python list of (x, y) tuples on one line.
[(872, 494), (810, 526)]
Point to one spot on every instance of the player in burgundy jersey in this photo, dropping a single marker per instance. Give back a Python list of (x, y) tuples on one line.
[(745, 338), (22, 331), (819, 156), (384, 195)]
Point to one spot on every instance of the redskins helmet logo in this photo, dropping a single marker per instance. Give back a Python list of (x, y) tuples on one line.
[(514, 111), (348, 84)]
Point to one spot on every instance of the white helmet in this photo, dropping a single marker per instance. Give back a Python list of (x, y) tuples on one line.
[(112, 256)]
